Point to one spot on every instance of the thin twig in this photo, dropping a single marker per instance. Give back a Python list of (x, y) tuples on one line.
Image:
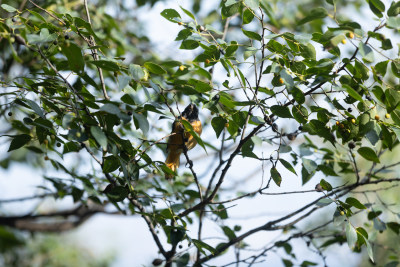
[(27, 198), (150, 225), (49, 13), (94, 53)]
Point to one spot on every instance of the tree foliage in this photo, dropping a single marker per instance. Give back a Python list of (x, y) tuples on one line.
[(79, 82)]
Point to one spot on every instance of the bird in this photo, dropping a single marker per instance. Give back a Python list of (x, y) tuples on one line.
[(180, 138)]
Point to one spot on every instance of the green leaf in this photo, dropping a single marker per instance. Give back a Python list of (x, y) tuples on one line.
[(182, 260), (366, 52), (249, 52), (128, 99), (170, 14), (74, 56), (281, 111), (386, 44), (395, 68), (381, 67), (378, 4), (43, 37), (394, 9), (9, 8), (353, 93), (319, 128), (324, 202), (136, 71), (19, 141), (393, 22), (229, 10), (325, 185), (252, 35), (105, 64), (309, 165), (369, 154), (123, 81), (71, 147), (317, 13), (142, 122), (287, 79), (355, 203), (257, 119), (99, 135), (117, 193), (305, 175), (327, 170), (387, 137), (183, 35), (362, 70), (154, 68), (308, 51), (379, 225), (176, 235), (298, 95), (111, 163), (187, 12), (303, 38), (373, 136), (35, 107), (377, 7), (287, 263), (361, 231), (337, 39), (231, 49), (200, 245), (276, 176), (110, 108), (218, 124), (247, 149), (212, 29), (253, 4), (308, 263), (35, 149), (392, 99), (220, 211), (189, 44), (248, 16), (369, 250), (275, 46), (351, 235), (396, 117), (287, 165), (200, 86), (300, 114), (81, 23), (394, 226), (229, 232)]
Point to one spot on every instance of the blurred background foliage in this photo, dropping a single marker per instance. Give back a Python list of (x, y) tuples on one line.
[(45, 251)]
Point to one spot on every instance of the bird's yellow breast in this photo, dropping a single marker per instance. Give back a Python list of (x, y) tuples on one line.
[(175, 141)]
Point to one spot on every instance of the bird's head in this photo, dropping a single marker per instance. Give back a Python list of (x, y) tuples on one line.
[(191, 112)]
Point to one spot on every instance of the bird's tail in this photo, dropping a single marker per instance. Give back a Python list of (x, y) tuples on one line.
[(172, 162)]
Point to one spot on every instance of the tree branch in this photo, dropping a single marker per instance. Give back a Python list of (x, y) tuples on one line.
[(32, 223), (95, 56), (270, 226)]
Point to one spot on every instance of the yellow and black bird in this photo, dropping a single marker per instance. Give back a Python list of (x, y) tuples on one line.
[(179, 137)]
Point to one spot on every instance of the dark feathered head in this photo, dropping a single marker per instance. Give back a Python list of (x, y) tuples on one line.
[(191, 112)]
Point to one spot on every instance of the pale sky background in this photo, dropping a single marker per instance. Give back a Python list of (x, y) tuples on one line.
[(128, 238)]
